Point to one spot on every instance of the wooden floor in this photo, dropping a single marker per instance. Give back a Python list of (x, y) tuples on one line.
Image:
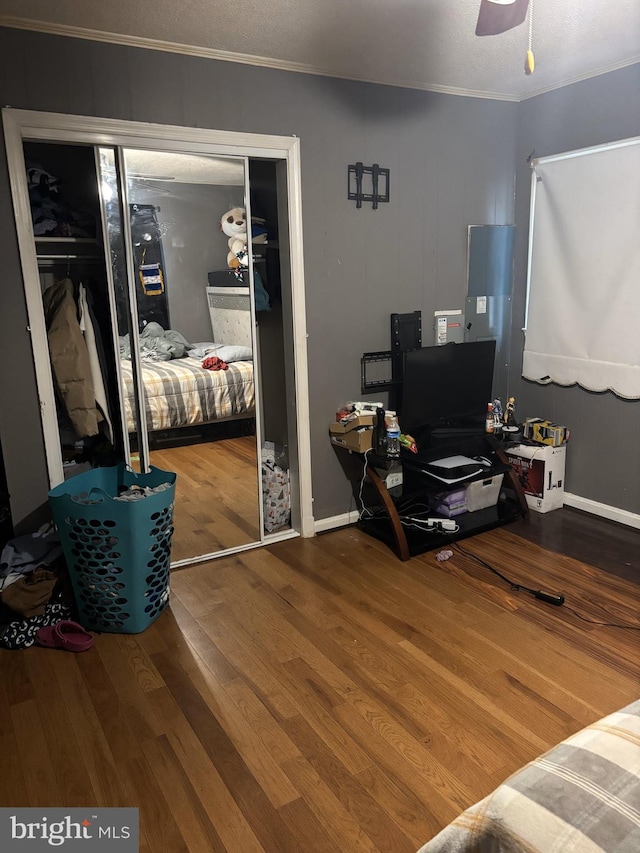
[(216, 495), (320, 695)]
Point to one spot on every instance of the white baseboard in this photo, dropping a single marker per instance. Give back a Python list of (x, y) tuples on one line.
[(622, 516), (324, 524)]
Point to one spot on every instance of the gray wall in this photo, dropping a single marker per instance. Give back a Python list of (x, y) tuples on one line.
[(192, 245), (602, 460), (452, 163)]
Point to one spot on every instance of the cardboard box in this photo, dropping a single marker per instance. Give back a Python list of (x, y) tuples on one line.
[(541, 470), (356, 434), (339, 428), (545, 432)]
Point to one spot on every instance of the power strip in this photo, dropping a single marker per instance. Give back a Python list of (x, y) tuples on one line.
[(437, 523)]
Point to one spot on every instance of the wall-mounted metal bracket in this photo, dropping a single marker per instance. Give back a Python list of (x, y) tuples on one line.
[(383, 370), (356, 179), (382, 381)]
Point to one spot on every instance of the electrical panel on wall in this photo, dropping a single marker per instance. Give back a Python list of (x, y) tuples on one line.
[(448, 327)]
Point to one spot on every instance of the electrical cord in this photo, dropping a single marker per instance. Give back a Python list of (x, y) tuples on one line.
[(364, 511), (429, 524), (603, 624), (551, 598)]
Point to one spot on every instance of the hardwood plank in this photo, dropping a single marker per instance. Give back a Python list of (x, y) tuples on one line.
[(343, 828), (72, 781), (13, 783), (223, 812), (411, 816), (16, 685), (156, 819), (306, 828), (93, 744), (373, 819), (258, 811), (185, 638), (115, 720), (134, 703), (34, 755), (321, 694), (188, 813), (579, 535), (315, 701), (216, 495)]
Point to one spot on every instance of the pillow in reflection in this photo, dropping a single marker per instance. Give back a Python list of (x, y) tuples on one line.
[(225, 352)]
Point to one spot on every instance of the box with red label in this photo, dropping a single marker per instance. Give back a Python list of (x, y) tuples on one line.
[(540, 470)]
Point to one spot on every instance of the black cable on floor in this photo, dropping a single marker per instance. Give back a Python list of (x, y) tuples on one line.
[(551, 598)]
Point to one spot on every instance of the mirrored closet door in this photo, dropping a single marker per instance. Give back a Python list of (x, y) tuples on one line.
[(186, 355), (190, 331)]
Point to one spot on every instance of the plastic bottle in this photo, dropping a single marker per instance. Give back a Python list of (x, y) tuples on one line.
[(393, 435), (489, 424)]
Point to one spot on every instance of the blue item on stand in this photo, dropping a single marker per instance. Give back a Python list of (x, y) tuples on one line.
[(118, 552)]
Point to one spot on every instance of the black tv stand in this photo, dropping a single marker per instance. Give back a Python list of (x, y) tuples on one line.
[(386, 512)]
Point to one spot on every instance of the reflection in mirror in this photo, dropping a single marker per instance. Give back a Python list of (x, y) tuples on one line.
[(196, 343), (113, 238)]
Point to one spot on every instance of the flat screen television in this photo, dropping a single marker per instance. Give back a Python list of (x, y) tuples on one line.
[(447, 387)]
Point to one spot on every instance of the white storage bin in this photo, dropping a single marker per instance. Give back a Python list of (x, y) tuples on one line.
[(483, 493)]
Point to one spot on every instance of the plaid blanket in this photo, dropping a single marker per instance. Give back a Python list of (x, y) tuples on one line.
[(182, 393), (583, 796)]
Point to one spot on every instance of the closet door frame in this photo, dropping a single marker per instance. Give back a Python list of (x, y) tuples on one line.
[(29, 125)]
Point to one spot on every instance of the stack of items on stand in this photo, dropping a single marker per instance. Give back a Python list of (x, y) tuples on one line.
[(367, 427), (364, 425), (536, 449)]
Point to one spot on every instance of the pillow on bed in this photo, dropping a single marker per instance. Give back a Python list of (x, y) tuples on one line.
[(226, 352)]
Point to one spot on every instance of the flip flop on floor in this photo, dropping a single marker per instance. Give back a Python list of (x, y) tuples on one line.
[(65, 635)]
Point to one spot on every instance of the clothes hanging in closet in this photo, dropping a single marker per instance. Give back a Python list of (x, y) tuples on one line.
[(70, 358), (88, 328)]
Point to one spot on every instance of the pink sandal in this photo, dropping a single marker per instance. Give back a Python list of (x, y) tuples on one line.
[(65, 635)]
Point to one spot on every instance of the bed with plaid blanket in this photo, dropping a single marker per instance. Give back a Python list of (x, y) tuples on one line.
[(182, 393), (583, 796)]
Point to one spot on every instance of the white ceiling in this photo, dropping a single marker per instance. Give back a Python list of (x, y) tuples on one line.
[(424, 44)]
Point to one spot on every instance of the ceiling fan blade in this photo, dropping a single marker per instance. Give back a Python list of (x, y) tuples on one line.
[(498, 16)]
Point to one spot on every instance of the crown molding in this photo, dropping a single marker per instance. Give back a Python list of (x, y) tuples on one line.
[(285, 65), (229, 56), (588, 75)]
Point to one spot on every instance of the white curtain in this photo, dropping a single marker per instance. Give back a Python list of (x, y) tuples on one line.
[(583, 316)]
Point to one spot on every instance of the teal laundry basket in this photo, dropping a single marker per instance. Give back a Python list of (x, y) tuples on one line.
[(117, 552)]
